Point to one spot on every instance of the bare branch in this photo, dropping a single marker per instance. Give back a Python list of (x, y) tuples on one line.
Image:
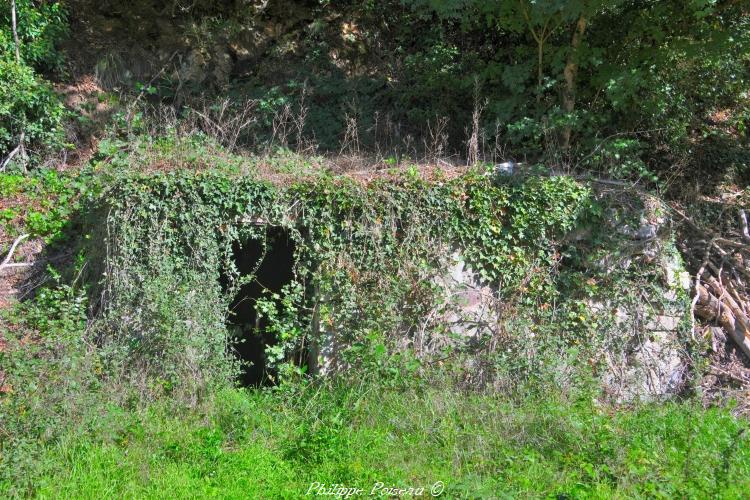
[(16, 265), (697, 295), (6, 262), (743, 222), (10, 157), (725, 312)]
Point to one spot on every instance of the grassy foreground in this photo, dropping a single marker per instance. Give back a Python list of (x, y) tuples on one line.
[(259, 444)]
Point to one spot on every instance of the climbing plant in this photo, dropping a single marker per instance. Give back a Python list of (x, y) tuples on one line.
[(367, 255), (372, 266)]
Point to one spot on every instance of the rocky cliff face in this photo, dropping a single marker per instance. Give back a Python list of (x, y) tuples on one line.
[(201, 45)]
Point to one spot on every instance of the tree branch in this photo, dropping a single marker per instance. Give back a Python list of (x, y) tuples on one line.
[(743, 223), (570, 73), (10, 157), (6, 264)]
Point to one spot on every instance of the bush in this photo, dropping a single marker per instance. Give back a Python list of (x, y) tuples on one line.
[(28, 104), (41, 25)]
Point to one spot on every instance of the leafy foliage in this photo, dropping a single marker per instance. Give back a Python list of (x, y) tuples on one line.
[(117, 374), (45, 203), (41, 27), (30, 111), (359, 246), (27, 104)]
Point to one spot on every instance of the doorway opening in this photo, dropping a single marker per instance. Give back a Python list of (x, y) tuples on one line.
[(273, 268)]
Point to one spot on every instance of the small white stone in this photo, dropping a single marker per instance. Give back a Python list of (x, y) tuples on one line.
[(686, 281)]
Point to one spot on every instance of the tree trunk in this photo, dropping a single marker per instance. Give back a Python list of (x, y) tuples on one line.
[(540, 69), (21, 149), (570, 72), (14, 26)]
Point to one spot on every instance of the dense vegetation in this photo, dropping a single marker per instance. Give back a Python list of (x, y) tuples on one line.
[(264, 445), (626, 87), (156, 154)]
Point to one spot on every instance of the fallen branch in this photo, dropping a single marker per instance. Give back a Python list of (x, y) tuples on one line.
[(696, 297), (10, 157), (6, 264), (16, 265), (716, 301), (730, 243), (723, 373), (726, 312)]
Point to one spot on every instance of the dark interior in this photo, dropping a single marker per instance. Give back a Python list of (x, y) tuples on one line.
[(274, 270)]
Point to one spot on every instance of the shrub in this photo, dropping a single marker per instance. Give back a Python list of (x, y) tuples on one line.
[(41, 25), (29, 105)]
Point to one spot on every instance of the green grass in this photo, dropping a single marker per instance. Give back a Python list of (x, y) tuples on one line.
[(274, 445)]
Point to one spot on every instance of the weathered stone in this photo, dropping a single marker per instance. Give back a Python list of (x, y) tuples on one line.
[(646, 232), (643, 343), (654, 368), (469, 305)]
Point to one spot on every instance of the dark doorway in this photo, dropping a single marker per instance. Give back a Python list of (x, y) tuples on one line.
[(273, 265)]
